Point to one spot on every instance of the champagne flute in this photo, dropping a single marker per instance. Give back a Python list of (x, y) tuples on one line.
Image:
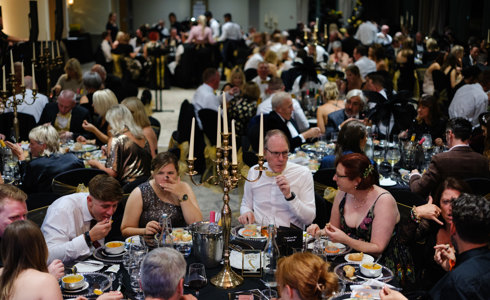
[(196, 277), (393, 156)]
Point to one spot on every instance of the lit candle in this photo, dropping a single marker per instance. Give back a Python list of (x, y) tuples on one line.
[(225, 116), (401, 20), (58, 48), (33, 50), (41, 48), (325, 30), (22, 74), (11, 62), (191, 143), (234, 160), (411, 20), (4, 85), (52, 50), (406, 15), (33, 77), (261, 135), (218, 132)]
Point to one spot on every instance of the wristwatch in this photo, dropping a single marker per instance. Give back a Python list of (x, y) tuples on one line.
[(293, 195), (184, 198)]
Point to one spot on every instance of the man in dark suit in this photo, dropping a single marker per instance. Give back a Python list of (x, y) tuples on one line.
[(460, 161), (280, 118), (470, 59), (66, 116), (354, 107)]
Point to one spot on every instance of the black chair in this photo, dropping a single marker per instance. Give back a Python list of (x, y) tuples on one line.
[(208, 119), (323, 178), (26, 123), (37, 200), (250, 74), (155, 125), (479, 186), (407, 198), (67, 182), (323, 209), (37, 215)]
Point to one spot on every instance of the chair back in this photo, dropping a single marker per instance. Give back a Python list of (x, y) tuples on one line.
[(208, 119), (479, 186), (26, 123), (323, 178), (37, 215), (323, 209), (155, 125), (69, 182), (37, 200)]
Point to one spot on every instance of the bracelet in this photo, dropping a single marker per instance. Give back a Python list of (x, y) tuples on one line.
[(414, 216)]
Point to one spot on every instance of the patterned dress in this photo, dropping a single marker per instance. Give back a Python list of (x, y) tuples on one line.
[(396, 256)]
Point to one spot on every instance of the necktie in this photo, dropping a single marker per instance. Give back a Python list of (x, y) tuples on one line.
[(96, 244)]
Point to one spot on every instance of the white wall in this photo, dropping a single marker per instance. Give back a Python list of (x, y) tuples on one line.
[(238, 10), (90, 14), (150, 11), (284, 11), (14, 17)]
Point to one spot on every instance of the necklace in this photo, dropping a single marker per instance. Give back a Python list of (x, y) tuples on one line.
[(360, 205)]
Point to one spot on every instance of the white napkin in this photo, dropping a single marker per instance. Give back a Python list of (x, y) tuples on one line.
[(114, 268), (367, 289), (83, 267)]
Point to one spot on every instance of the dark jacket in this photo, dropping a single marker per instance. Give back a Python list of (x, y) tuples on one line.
[(78, 114)]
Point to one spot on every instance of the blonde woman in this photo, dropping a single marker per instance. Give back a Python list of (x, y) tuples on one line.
[(46, 159), (102, 101), (128, 152), (72, 79), (330, 95), (137, 109), (237, 78), (200, 34)]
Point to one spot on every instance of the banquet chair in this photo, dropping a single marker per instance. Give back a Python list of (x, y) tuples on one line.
[(74, 181), (323, 209), (37, 215), (155, 125), (37, 200), (26, 123), (479, 185), (323, 178)]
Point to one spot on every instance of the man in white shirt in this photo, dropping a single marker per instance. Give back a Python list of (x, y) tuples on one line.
[(106, 47), (30, 106), (383, 37), (471, 100), (213, 24), (231, 35), (366, 33), (77, 224), (276, 85), (364, 64), (262, 78), (204, 97), (284, 193), (255, 59)]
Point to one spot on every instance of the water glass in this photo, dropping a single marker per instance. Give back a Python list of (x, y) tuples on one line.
[(269, 294), (196, 277)]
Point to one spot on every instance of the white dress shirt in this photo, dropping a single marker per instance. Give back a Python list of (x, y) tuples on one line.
[(469, 102), (365, 66), (253, 62), (299, 117), (264, 198), (320, 52), (263, 84), (35, 109), (214, 27), (106, 50), (230, 31), (204, 97), (367, 33), (67, 219)]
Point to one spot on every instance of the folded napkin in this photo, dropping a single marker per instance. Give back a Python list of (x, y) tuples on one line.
[(369, 289), (114, 268)]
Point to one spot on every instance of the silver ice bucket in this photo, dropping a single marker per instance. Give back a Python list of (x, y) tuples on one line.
[(207, 243)]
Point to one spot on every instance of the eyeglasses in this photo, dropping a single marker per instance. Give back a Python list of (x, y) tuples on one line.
[(277, 154)]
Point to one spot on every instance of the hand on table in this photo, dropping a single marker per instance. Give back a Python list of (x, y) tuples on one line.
[(66, 135), (152, 228), (387, 294), (314, 230), (187, 297), (247, 218), (100, 230), (443, 255), (57, 269), (81, 139), (283, 185), (113, 295), (311, 133), (429, 211)]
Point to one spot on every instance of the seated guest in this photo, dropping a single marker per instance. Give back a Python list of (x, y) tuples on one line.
[(469, 274), (163, 193), (280, 118), (284, 192), (243, 108), (237, 79), (364, 64), (352, 139), (460, 161), (305, 276), (364, 216), (338, 59), (430, 225), (353, 80), (428, 120), (76, 224), (128, 152), (262, 77), (47, 161), (331, 103), (354, 107), (91, 83), (110, 81), (276, 85), (66, 116), (141, 119), (13, 208), (72, 79), (162, 275), (25, 275), (103, 101), (30, 106)]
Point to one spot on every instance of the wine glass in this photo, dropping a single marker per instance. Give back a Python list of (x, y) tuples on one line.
[(378, 156), (196, 277), (393, 156)]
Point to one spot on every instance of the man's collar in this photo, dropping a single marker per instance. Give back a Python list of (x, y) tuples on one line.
[(471, 253), (87, 216), (458, 146)]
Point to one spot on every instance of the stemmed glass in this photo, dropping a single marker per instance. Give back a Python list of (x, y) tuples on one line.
[(378, 156), (393, 156), (196, 277)]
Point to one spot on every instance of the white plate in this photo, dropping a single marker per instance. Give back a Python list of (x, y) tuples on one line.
[(83, 267), (251, 262), (104, 253), (259, 237), (387, 182), (85, 286), (338, 245), (365, 258), (85, 148)]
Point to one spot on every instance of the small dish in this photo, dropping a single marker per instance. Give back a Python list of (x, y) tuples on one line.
[(73, 282), (73, 291), (370, 269), (365, 259), (114, 247)]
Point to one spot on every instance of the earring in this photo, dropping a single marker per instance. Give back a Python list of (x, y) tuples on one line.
[(356, 187)]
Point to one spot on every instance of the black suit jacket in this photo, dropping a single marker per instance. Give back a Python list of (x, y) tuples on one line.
[(274, 121), (78, 114), (334, 120)]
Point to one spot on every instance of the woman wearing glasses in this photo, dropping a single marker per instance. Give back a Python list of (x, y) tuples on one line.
[(364, 216)]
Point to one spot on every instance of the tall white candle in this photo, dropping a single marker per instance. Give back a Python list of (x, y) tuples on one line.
[(33, 50), (191, 143), (4, 85), (401, 20), (225, 116), (58, 48), (11, 62), (33, 77), (41, 48), (218, 132), (261, 136), (234, 159), (22, 74), (52, 50), (411, 20)]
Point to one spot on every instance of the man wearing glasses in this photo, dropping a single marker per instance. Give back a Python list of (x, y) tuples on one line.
[(283, 194)]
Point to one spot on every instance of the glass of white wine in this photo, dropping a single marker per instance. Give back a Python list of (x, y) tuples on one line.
[(393, 156), (378, 156)]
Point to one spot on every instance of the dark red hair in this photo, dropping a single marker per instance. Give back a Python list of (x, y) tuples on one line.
[(359, 165)]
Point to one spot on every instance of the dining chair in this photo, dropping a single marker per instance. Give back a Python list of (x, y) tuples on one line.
[(37, 215), (71, 181)]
